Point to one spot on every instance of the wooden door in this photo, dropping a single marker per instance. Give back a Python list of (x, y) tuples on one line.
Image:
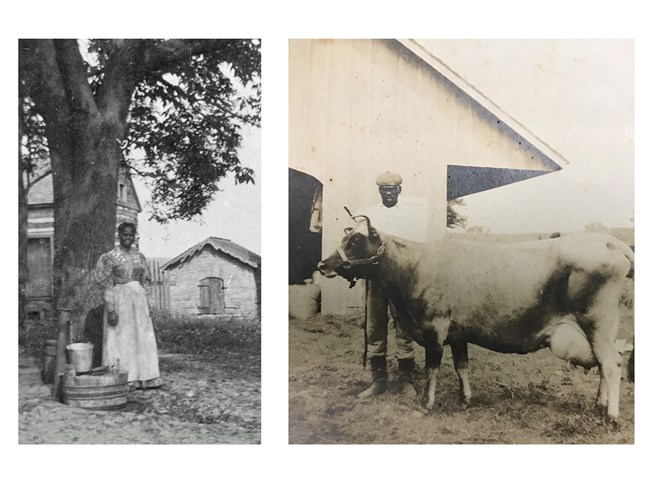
[(211, 296)]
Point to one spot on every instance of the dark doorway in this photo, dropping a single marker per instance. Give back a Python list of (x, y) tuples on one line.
[(305, 241)]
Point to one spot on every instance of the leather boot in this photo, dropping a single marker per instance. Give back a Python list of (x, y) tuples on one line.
[(406, 368), (379, 378)]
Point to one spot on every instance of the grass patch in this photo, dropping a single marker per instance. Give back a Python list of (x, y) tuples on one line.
[(175, 333), (183, 334), (32, 337)]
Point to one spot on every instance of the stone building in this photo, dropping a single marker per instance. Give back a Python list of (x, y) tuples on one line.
[(214, 277)]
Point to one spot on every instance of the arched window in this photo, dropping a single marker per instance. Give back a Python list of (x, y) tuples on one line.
[(211, 296)]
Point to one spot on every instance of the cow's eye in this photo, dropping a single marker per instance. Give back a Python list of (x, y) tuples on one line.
[(355, 240)]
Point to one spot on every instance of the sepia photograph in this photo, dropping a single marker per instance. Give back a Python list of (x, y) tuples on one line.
[(139, 241), (461, 241)]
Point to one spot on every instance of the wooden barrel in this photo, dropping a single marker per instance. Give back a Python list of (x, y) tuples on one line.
[(101, 392), (49, 363)]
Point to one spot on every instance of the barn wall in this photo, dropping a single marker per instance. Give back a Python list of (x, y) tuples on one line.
[(358, 108), (240, 293)]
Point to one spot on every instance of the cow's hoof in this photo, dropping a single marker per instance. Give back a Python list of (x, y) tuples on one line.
[(374, 390), (426, 410), (465, 403), (407, 390), (601, 409), (612, 422), (429, 406)]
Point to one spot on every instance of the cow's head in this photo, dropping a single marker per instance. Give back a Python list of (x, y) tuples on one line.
[(358, 255)]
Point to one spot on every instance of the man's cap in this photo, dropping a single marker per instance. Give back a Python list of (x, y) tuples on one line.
[(389, 179)]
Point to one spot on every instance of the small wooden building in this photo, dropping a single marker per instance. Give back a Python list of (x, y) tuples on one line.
[(40, 235), (214, 277), (360, 107)]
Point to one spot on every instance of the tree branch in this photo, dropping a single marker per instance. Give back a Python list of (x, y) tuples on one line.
[(42, 80), (164, 54), (177, 89), (144, 174), (75, 77), (123, 70)]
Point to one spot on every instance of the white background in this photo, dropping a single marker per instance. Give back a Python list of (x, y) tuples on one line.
[(275, 463)]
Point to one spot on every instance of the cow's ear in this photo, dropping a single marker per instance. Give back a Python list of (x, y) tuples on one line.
[(347, 230)]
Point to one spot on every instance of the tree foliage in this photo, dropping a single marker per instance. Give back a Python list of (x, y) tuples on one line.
[(187, 122), (454, 217), (186, 111)]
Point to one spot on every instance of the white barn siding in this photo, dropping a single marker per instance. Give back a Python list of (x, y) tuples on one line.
[(361, 107)]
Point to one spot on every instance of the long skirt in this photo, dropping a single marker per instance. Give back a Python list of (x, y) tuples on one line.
[(132, 340)]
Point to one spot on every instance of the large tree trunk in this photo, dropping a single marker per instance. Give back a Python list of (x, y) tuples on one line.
[(85, 174), (85, 156)]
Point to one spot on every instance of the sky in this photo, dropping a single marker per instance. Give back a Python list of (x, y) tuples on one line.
[(578, 97), (234, 213)]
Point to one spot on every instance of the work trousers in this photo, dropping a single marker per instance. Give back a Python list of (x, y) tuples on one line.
[(377, 306)]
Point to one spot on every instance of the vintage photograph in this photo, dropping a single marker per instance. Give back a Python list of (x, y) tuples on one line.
[(139, 241), (461, 241)]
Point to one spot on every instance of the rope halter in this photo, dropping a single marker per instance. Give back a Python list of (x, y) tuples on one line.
[(373, 260)]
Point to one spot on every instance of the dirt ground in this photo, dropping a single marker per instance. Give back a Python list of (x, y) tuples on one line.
[(204, 400), (517, 399)]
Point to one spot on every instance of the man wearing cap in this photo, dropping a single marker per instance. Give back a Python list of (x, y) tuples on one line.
[(408, 223)]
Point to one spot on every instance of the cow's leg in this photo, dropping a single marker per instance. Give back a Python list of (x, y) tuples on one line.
[(433, 357), (435, 334), (601, 324), (601, 398), (610, 375), (461, 364)]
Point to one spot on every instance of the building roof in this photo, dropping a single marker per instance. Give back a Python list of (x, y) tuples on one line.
[(554, 160), (42, 192), (468, 180), (218, 244)]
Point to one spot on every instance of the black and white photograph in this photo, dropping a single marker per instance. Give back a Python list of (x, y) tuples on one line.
[(139, 318), (461, 241)]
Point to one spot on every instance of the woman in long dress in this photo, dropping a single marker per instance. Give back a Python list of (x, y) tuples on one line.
[(129, 338)]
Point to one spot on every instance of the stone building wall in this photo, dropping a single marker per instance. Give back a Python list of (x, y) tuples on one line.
[(240, 292)]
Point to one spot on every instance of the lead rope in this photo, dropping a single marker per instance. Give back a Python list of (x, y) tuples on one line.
[(365, 327)]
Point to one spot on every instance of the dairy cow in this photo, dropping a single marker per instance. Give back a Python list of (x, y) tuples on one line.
[(559, 293)]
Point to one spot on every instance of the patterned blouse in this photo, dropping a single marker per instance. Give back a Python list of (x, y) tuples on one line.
[(118, 267)]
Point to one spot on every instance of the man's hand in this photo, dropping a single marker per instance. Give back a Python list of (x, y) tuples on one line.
[(112, 318)]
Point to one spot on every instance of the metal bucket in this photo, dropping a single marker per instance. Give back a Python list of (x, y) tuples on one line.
[(102, 392), (49, 361), (80, 355)]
